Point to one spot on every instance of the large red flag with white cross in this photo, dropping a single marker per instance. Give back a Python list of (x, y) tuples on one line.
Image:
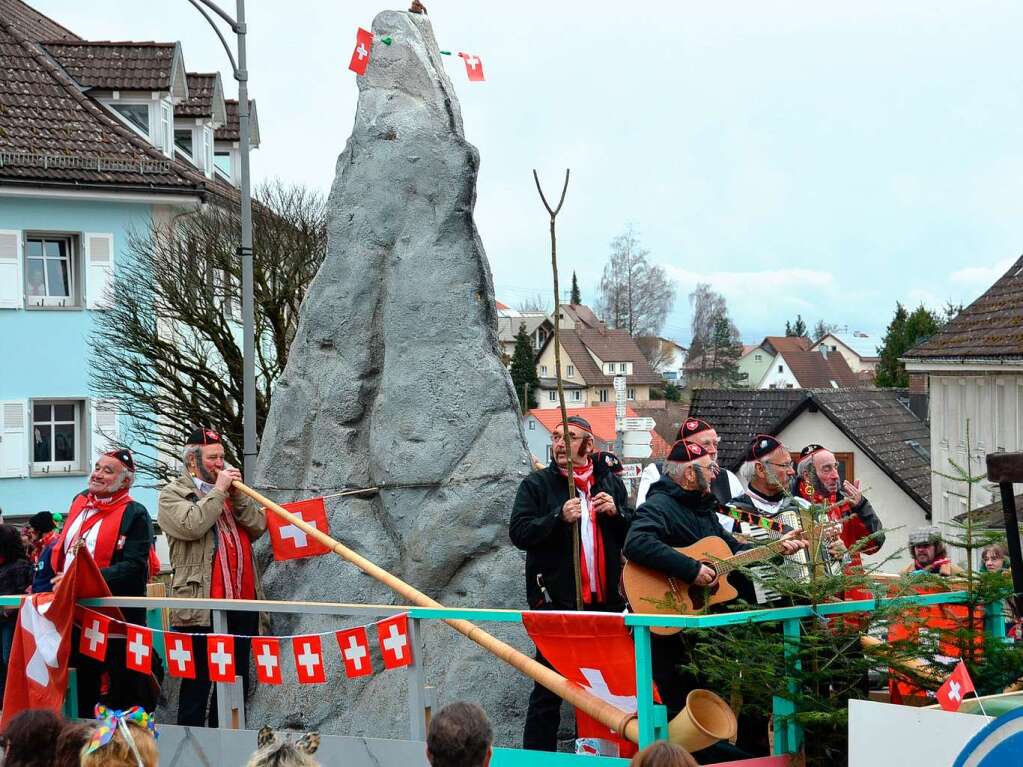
[(288, 540)]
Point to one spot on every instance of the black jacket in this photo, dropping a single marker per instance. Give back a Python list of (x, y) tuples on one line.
[(537, 528), (15, 578), (670, 518)]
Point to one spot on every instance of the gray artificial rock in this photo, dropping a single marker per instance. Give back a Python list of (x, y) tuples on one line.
[(394, 379)]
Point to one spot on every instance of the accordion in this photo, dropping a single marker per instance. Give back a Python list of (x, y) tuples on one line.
[(803, 566)]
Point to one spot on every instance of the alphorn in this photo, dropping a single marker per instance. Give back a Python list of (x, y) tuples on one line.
[(610, 716)]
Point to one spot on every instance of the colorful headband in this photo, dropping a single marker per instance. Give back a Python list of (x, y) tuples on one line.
[(110, 721)]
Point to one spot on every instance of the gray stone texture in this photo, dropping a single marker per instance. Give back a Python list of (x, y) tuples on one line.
[(394, 380)]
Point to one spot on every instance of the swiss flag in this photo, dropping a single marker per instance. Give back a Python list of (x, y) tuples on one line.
[(220, 655), (95, 633), (354, 644), (180, 655), (392, 634), (309, 659), (140, 649), (473, 67), (360, 56), (267, 653), (952, 692), (38, 665), (288, 541), (596, 652)]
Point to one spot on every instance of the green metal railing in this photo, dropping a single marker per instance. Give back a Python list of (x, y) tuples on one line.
[(652, 718)]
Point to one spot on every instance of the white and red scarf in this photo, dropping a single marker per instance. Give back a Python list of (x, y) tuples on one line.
[(591, 552), (97, 522), (232, 569)]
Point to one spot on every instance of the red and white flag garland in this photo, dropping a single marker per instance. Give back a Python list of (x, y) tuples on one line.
[(364, 46), (393, 641)]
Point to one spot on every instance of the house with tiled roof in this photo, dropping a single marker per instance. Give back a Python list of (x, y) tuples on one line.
[(89, 153), (972, 369), (592, 356), (538, 424), (799, 369), (872, 432), (537, 324), (857, 348)]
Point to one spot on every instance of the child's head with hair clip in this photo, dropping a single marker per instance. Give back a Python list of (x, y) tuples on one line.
[(272, 751), (122, 739)]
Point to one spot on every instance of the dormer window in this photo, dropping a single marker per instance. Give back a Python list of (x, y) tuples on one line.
[(167, 128), (183, 142), (136, 115)]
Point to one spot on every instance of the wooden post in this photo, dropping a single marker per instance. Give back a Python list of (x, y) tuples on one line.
[(1005, 469)]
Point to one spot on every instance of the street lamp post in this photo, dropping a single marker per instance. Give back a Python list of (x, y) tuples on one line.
[(245, 249)]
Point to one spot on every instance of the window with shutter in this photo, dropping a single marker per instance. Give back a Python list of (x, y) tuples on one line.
[(11, 294), (14, 438), (99, 270), (57, 436)]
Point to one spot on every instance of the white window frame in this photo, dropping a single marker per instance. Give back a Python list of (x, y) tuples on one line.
[(622, 367), (207, 150), (602, 396), (543, 370), (570, 370), (630, 393), (552, 396), (148, 104), (532, 425), (167, 127), (577, 396), (52, 467), (74, 256), (190, 156)]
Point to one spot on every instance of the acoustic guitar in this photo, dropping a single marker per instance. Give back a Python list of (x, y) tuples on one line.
[(652, 592)]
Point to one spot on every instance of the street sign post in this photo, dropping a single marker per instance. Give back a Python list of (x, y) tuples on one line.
[(637, 451), (631, 471), (637, 437), (638, 424)]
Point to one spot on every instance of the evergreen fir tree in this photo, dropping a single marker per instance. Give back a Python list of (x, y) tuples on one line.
[(904, 332), (576, 297), (523, 371)]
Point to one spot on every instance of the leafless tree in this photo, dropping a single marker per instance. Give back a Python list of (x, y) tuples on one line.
[(658, 351), (710, 326), (168, 352), (538, 303), (634, 294)]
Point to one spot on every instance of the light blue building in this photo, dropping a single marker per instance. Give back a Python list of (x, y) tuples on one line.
[(96, 140)]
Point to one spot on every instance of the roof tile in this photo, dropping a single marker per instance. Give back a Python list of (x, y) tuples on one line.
[(146, 66)]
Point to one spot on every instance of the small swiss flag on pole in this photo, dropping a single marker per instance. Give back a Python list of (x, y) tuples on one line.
[(952, 692), (354, 646), (95, 633), (267, 653), (220, 654), (140, 649), (290, 542), (392, 634), (360, 56), (180, 656), (308, 659), (473, 67)]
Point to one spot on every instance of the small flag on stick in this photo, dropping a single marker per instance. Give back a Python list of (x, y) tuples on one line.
[(952, 692)]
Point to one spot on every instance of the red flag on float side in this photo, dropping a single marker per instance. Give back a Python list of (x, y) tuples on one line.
[(360, 56), (473, 67), (220, 655), (952, 692), (267, 653), (354, 644), (94, 636), (38, 665), (180, 655), (392, 634), (140, 649), (309, 659), (288, 541), (596, 652)]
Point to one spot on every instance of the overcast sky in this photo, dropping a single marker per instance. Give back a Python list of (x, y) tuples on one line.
[(821, 158)]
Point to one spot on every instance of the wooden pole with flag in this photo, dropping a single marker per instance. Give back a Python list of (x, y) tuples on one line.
[(610, 716), (576, 535)]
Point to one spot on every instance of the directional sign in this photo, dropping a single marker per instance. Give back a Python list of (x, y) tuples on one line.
[(637, 438), (631, 471), (637, 451), (619, 383), (637, 424)]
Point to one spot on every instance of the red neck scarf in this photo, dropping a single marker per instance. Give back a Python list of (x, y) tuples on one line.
[(233, 574), (592, 591), (107, 513)]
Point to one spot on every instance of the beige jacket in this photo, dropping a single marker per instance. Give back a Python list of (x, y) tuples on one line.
[(189, 522)]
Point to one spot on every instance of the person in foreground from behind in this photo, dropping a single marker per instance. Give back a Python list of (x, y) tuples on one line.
[(460, 736), (272, 751), (663, 754), (122, 739), (210, 527), (30, 738), (15, 578), (71, 741)]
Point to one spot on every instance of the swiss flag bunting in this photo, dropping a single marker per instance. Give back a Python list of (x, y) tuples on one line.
[(288, 541), (220, 654), (354, 644), (309, 659), (94, 635), (266, 652), (360, 56), (180, 655), (473, 67), (392, 634), (952, 692), (140, 649)]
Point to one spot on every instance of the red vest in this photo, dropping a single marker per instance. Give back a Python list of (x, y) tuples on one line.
[(107, 515)]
